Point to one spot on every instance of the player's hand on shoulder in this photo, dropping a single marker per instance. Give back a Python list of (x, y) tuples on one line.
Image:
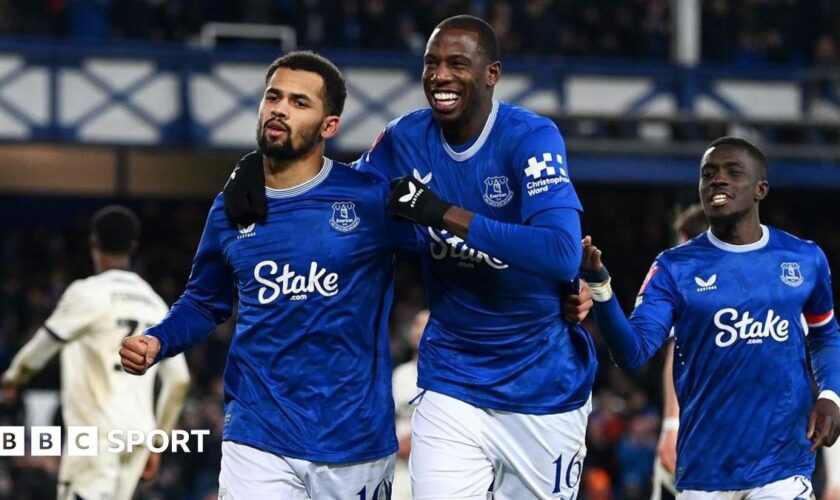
[(244, 193), (138, 353), (576, 307), (823, 423), (412, 200)]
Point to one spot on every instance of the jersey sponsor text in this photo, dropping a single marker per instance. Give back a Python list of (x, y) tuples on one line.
[(291, 283), (447, 244), (748, 328)]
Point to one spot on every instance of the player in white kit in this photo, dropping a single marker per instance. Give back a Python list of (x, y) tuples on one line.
[(92, 318)]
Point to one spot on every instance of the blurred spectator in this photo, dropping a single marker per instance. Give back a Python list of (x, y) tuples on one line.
[(826, 79), (539, 27), (89, 19), (636, 453), (501, 19), (757, 32), (717, 17), (597, 484)]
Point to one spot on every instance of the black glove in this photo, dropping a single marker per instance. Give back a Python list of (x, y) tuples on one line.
[(244, 192), (412, 200)]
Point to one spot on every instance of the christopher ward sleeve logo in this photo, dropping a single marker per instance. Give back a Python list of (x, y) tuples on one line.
[(549, 167)]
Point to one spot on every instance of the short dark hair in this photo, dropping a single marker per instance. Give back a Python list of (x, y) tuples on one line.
[(757, 155), (691, 221), (487, 42), (335, 90), (115, 229)]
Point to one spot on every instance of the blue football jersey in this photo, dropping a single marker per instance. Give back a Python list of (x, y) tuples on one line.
[(496, 337), (308, 373), (740, 315)]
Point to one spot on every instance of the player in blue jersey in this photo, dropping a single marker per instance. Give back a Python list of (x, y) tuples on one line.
[(308, 406), (507, 381), (741, 299)]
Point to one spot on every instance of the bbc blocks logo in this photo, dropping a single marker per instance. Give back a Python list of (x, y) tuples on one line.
[(85, 441)]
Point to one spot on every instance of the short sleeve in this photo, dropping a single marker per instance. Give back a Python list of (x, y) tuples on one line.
[(77, 309), (544, 172)]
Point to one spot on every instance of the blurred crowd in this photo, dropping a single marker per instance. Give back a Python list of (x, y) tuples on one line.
[(746, 32), (47, 249)]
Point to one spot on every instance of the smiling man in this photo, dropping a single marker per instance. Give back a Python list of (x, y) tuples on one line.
[(740, 298), (506, 379)]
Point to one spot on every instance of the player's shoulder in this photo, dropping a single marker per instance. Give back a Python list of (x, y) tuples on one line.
[(522, 121), (218, 203), (83, 289), (785, 238), (122, 282), (346, 173), (409, 123), (788, 241), (216, 215), (345, 176), (136, 282), (688, 250), (90, 291)]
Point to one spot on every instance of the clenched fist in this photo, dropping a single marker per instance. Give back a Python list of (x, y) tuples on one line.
[(138, 353)]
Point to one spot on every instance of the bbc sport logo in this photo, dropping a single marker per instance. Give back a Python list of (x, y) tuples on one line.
[(85, 441)]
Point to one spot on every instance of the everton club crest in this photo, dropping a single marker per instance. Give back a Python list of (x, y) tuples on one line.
[(791, 275), (497, 192), (344, 216)]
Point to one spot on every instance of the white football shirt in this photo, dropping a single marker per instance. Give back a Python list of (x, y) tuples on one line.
[(93, 316)]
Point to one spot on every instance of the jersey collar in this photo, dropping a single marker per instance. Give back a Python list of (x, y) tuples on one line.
[(482, 138), (749, 247), (304, 187)]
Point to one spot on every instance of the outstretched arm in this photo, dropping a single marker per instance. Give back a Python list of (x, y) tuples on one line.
[(632, 342), (32, 357), (76, 310)]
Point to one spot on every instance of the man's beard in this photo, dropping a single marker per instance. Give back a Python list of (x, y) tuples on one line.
[(728, 220), (286, 150)]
